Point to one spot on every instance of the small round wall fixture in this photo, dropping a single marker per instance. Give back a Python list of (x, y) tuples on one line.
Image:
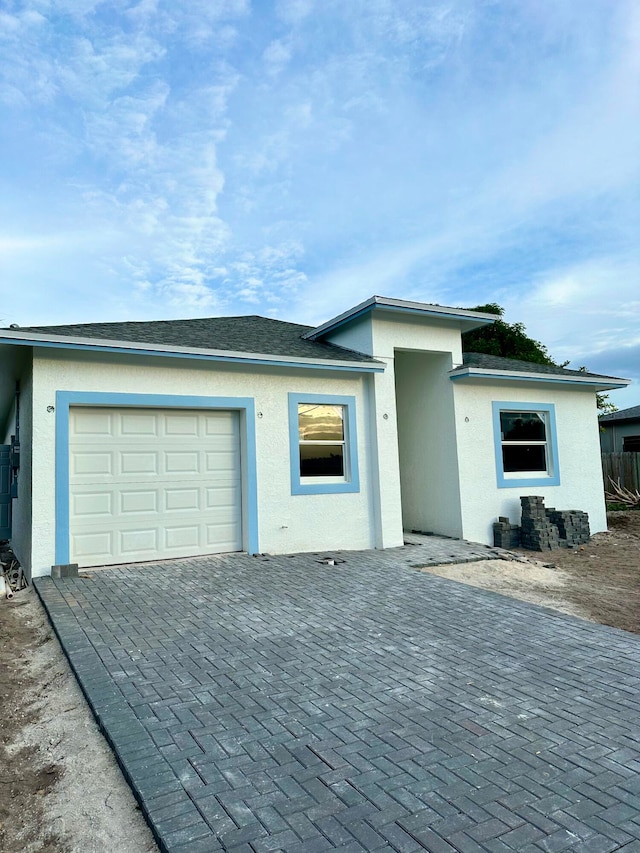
[(466, 420), (386, 416), (51, 408), (259, 414)]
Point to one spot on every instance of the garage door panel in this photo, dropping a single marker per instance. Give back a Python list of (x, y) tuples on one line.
[(96, 545), (137, 425), (222, 496), (220, 426), (178, 500), (91, 504), (182, 462), (138, 462), (182, 536), (219, 462), (182, 424), (226, 534), (151, 484), (136, 501), (91, 463), (140, 540), (93, 423)]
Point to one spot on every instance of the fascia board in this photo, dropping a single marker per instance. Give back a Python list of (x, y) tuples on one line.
[(609, 383), (472, 319), (108, 345)]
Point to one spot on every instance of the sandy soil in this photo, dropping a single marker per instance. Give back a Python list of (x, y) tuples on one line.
[(599, 581), (528, 580), (60, 787)]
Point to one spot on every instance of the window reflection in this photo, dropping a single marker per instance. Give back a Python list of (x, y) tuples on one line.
[(320, 422), (522, 426)]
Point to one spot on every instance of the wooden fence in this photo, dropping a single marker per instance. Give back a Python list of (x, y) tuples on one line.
[(624, 467)]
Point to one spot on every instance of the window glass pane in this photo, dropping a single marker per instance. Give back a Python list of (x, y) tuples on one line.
[(631, 444), (522, 426), (321, 460), (320, 423), (523, 457)]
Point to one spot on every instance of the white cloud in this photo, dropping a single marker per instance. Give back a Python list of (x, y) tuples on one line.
[(299, 157), (277, 56), (12, 245), (146, 147), (583, 310), (294, 11)]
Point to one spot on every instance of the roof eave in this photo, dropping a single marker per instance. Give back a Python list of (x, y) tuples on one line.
[(597, 383), (36, 339), (468, 320), (607, 419)]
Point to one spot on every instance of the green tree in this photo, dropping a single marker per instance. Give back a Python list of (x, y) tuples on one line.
[(510, 340)]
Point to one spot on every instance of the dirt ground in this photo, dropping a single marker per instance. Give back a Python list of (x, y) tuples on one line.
[(599, 581), (61, 790)]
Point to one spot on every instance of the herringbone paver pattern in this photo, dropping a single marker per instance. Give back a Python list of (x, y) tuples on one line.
[(274, 703)]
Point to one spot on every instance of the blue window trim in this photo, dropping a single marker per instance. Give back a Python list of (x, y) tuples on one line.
[(244, 405), (352, 483), (553, 477)]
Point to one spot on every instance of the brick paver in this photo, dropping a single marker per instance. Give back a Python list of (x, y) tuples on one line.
[(275, 703)]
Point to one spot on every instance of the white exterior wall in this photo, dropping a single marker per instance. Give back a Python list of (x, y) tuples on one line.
[(394, 334), (427, 440), (447, 440), (21, 506), (384, 333), (357, 335), (286, 522), (398, 331), (578, 455)]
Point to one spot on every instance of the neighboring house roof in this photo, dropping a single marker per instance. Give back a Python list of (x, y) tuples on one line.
[(631, 414), (467, 320), (482, 365), (230, 336)]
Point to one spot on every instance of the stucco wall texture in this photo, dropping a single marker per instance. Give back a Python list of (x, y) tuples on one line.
[(426, 452), (286, 522), (578, 455), (446, 461)]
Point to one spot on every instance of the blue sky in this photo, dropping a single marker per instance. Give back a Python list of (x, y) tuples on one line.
[(167, 159)]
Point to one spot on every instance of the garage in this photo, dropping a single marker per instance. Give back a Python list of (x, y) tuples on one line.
[(147, 484)]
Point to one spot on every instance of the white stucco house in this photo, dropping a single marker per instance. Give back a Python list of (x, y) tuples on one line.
[(139, 441)]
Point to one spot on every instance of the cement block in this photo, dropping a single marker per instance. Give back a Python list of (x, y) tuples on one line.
[(65, 570)]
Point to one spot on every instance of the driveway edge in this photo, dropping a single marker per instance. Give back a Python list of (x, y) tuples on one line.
[(165, 804)]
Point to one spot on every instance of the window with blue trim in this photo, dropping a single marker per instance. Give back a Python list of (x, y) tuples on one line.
[(525, 444), (322, 435)]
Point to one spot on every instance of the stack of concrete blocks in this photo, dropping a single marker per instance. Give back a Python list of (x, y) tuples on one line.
[(505, 534), (572, 524), (537, 533)]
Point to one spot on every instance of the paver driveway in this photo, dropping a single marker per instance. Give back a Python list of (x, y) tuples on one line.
[(280, 704)]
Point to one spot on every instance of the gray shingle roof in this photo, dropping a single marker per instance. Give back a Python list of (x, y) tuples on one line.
[(250, 334), (623, 415), (496, 362)]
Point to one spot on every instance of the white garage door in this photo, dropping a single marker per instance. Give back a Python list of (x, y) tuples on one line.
[(149, 484)]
